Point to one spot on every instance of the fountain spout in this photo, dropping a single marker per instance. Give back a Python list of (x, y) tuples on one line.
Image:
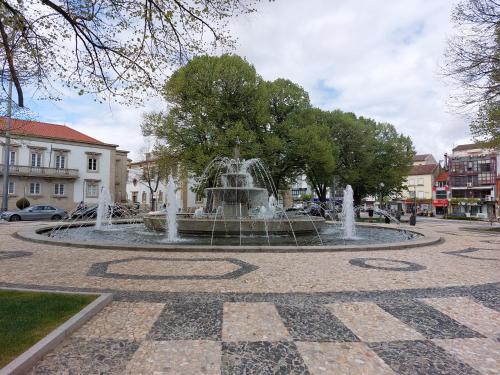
[(348, 224)]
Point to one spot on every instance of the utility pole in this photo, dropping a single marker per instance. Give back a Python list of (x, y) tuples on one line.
[(6, 167)]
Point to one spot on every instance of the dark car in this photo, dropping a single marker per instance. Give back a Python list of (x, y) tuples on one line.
[(91, 212), (36, 212)]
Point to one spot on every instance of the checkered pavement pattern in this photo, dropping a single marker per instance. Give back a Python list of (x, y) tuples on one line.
[(441, 336)]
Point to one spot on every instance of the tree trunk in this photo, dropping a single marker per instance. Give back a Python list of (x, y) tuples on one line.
[(357, 202)]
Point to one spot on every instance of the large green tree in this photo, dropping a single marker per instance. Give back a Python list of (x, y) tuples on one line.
[(369, 154), (213, 101)]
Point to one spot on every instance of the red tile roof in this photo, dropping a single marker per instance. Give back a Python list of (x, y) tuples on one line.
[(443, 176), (45, 130), (422, 169)]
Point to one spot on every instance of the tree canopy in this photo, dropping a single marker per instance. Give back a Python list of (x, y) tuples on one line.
[(213, 101), (112, 48)]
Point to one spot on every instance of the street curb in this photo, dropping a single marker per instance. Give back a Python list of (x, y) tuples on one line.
[(26, 360)]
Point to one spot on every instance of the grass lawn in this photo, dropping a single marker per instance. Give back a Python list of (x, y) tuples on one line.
[(26, 317)]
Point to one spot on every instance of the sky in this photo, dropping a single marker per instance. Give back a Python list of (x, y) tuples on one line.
[(378, 59)]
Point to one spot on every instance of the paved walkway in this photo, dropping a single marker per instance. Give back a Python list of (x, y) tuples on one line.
[(431, 310)]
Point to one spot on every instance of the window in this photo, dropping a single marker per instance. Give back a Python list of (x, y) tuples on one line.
[(92, 189), (160, 197), (12, 188), (144, 197), (441, 194), (58, 189), (36, 159), (35, 188), (60, 162), (12, 158), (134, 196), (411, 182), (92, 164), (420, 181), (420, 194)]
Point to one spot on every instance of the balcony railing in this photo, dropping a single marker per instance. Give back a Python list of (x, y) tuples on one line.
[(25, 170)]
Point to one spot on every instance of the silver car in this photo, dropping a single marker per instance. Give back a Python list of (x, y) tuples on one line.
[(37, 212)]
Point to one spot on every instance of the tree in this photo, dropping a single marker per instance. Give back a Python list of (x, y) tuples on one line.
[(369, 154), (287, 104), (213, 102), (314, 152), (112, 48), (473, 61)]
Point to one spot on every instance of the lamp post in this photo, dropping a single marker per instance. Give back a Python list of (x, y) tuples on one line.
[(413, 217)]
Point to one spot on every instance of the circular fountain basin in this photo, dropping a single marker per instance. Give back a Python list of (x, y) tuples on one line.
[(134, 236), (229, 226)]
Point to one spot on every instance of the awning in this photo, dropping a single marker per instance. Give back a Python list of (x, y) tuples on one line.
[(440, 202)]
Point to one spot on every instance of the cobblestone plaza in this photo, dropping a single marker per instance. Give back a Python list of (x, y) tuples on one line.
[(426, 310)]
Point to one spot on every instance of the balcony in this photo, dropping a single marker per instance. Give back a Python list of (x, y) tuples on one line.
[(28, 171)]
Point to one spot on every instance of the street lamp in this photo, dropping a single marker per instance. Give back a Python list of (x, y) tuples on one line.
[(413, 217)]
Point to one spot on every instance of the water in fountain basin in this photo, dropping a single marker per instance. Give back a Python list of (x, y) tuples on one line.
[(103, 214), (171, 214), (348, 224)]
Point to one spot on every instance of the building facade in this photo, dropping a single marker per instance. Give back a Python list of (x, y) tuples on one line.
[(418, 192), (150, 194), (55, 164), (441, 194), (473, 172)]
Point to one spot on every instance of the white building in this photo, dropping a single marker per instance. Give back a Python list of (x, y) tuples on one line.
[(55, 164), (150, 195)]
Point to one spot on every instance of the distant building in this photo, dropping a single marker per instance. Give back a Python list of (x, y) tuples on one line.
[(140, 193), (473, 181), (58, 165), (419, 183), (440, 199)]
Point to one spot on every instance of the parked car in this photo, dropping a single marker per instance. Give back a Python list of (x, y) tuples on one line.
[(36, 212), (91, 212)]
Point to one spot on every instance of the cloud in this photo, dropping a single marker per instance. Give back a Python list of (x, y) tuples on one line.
[(379, 59)]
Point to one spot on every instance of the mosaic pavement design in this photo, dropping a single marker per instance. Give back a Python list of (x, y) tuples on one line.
[(433, 310), (442, 332)]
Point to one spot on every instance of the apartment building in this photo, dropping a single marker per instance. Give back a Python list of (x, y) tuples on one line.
[(420, 182), (473, 172), (58, 165)]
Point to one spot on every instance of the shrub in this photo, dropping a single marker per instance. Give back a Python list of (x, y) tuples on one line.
[(471, 218), (22, 203)]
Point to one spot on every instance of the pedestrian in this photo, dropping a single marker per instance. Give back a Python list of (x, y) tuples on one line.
[(492, 218)]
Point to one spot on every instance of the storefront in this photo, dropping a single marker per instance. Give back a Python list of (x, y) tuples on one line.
[(441, 206), (424, 206)]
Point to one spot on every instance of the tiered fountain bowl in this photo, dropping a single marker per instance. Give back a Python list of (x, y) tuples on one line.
[(235, 206)]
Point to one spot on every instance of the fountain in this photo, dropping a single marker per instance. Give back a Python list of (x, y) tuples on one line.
[(104, 206), (241, 208), (240, 201), (347, 215), (171, 212)]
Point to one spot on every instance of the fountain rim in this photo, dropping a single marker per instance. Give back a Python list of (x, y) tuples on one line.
[(37, 235)]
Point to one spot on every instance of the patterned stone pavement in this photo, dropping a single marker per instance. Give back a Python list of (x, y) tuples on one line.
[(431, 310)]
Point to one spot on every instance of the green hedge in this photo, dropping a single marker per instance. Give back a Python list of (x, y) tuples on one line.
[(451, 217)]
